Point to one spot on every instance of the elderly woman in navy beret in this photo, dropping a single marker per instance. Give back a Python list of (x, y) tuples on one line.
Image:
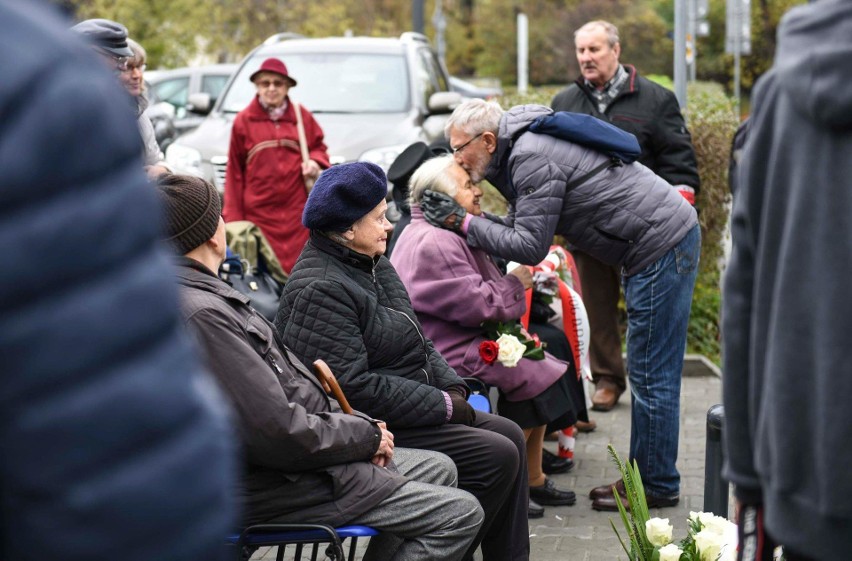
[(344, 303)]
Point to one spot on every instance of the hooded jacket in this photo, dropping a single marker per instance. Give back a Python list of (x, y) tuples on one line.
[(354, 313), (303, 458), (625, 215), (787, 314)]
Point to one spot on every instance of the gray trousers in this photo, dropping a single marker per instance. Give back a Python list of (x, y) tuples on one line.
[(427, 518)]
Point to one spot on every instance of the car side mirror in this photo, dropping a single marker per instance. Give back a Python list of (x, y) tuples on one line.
[(199, 103), (444, 102)]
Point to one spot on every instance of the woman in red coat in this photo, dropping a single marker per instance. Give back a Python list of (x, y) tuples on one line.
[(265, 182)]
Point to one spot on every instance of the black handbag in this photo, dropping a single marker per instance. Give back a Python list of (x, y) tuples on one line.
[(255, 282)]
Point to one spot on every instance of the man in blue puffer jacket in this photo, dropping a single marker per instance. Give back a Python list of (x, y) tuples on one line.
[(114, 441), (624, 215)]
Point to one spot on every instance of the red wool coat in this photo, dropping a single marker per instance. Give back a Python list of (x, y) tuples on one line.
[(263, 179)]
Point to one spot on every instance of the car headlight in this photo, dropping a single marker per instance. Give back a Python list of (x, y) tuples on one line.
[(184, 159), (383, 156)]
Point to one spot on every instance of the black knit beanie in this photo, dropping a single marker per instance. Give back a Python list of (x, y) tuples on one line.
[(192, 210)]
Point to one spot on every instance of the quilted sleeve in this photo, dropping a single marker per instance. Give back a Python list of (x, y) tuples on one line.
[(540, 188), (324, 323)]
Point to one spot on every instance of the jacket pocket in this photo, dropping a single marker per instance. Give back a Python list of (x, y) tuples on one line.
[(263, 342)]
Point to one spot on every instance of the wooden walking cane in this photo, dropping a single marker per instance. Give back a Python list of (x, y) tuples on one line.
[(330, 385)]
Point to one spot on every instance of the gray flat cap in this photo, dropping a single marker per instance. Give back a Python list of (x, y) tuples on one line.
[(105, 34)]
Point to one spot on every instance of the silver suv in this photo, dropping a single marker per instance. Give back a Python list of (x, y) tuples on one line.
[(372, 96)]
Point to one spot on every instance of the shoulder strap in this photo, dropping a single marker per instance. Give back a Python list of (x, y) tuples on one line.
[(300, 127)]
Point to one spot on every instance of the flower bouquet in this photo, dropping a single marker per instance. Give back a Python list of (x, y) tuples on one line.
[(709, 537), (509, 343)]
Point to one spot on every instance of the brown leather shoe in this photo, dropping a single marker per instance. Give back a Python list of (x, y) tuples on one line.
[(583, 426), (605, 398), (606, 490), (608, 503)]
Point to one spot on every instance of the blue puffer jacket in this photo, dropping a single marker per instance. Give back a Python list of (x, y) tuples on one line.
[(113, 441), (625, 216)]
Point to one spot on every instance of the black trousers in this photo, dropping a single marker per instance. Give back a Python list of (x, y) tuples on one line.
[(491, 460)]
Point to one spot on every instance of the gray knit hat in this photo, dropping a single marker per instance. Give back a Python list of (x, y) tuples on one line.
[(192, 208)]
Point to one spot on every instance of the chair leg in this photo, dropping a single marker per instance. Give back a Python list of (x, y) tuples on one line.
[(352, 546)]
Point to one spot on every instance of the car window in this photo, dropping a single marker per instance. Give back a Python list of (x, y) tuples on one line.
[(174, 91), (334, 82), (213, 84)]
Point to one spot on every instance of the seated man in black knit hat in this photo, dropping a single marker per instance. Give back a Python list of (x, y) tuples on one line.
[(305, 460)]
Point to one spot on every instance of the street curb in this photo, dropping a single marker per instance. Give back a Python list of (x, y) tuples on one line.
[(700, 365)]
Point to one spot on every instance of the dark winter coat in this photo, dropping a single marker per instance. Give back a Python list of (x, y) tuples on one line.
[(353, 312), (787, 316), (625, 215), (652, 114), (305, 461), (113, 439)]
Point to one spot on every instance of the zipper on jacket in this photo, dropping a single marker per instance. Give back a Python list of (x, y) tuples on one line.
[(422, 339)]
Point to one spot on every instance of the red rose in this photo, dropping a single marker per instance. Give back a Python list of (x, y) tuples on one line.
[(488, 350), (536, 340)]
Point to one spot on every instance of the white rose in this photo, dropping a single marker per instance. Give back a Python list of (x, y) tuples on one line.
[(659, 531), (670, 552), (709, 544), (511, 350)]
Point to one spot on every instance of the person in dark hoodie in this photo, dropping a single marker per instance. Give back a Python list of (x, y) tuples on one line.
[(114, 443), (786, 306)]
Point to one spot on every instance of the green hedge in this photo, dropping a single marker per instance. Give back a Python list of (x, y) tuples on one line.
[(712, 122)]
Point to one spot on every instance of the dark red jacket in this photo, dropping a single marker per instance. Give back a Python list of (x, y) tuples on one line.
[(263, 181)]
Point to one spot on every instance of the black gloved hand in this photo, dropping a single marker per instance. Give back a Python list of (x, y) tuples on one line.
[(442, 211), (463, 413)]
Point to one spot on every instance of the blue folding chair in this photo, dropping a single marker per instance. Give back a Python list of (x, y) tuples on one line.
[(282, 535), (478, 398)]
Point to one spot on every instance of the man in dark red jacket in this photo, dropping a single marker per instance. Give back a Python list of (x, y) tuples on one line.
[(267, 178), (616, 93)]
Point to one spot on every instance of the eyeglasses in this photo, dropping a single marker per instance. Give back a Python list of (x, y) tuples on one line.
[(131, 67), (463, 146), (274, 83)]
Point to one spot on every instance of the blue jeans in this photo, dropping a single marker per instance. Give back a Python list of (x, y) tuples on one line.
[(658, 300)]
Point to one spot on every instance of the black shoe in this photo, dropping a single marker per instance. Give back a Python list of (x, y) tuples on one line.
[(549, 495), (552, 464), (536, 510)]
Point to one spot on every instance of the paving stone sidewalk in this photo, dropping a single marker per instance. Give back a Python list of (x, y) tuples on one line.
[(578, 533)]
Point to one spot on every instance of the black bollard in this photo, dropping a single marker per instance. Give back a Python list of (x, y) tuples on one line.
[(715, 488)]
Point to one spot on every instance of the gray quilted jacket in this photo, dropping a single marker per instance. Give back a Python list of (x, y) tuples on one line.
[(625, 215), (354, 313)]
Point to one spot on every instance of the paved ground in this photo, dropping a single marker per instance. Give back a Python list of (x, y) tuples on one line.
[(578, 533)]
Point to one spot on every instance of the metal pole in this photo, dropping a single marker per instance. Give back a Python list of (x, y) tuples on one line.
[(715, 488), (680, 52), (417, 23), (523, 49), (738, 45), (693, 38)]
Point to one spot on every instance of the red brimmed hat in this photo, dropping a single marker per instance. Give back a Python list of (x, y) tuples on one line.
[(276, 66)]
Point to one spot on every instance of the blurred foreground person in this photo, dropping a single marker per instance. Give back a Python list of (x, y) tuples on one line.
[(787, 311), (306, 461), (114, 441)]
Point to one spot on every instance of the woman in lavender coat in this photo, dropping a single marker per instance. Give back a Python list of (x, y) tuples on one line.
[(454, 288)]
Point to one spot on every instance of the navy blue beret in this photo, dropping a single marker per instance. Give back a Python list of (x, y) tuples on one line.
[(343, 194)]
